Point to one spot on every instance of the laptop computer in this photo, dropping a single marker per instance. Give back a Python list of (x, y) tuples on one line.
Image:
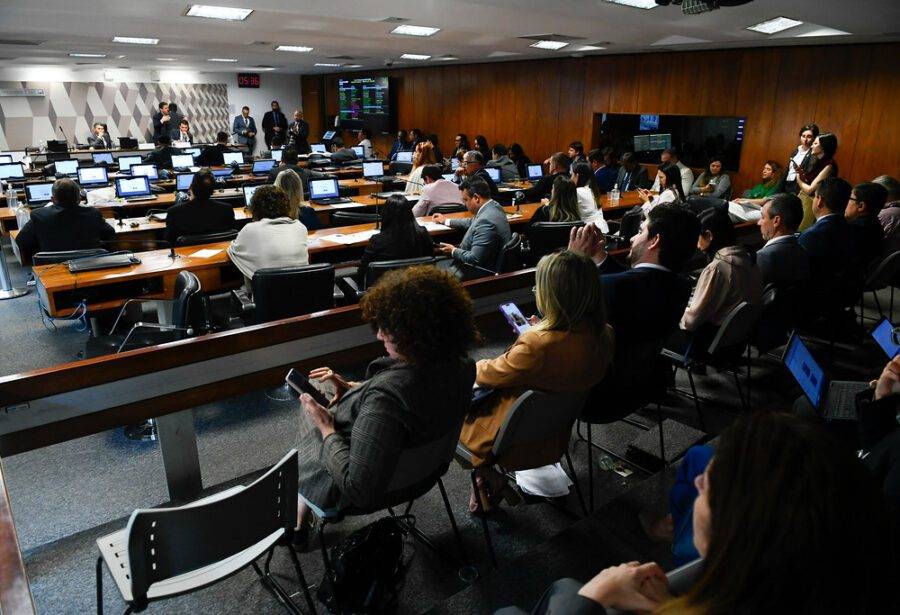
[(403, 156), (126, 162), (128, 142), (66, 167), (145, 169), (535, 172), (374, 171), (135, 188), (328, 135), (318, 148), (326, 192), (6, 158), (837, 402), (183, 181), (182, 161), (193, 151), (102, 261), (16, 155), (38, 194), (222, 173), (248, 193), (277, 154), (454, 164), (233, 158), (54, 145), (449, 176), (493, 173), (262, 167), (887, 337), (359, 150), (12, 172), (92, 176), (102, 157)]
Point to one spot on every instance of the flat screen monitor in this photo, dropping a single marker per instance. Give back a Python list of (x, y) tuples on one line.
[(805, 370), (66, 167), (404, 156), (262, 167), (182, 161), (373, 169), (535, 171), (248, 193), (12, 170), (649, 122), (493, 174), (193, 151), (183, 181), (127, 187), (318, 148), (125, 162), (233, 158), (92, 176), (145, 169), (359, 150), (366, 100), (39, 193), (277, 154), (323, 189), (102, 157)]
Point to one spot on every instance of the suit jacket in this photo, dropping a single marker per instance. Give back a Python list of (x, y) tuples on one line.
[(162, 156), (298, 137), (213, 155), (240, 130), (635, 179), (829, 243), (176, 136), (610, 265), (101, 142), (542, 189), (486, 233), (305, 175), (161, 128), (54, 228), (483, 176), (175, 124), (269, 123), (198, 218), (783, 262)]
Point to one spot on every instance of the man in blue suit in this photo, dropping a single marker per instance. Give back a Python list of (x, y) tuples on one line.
[(244, 129)]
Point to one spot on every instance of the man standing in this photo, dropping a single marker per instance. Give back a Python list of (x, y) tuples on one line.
[(298, 134), (244, 129), (274, 123), (175, 121), (100, 139), (161, 121)]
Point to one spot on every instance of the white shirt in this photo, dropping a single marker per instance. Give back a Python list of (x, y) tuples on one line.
[(666, 196), (588, 210), (651, 266), (367, 148), (687, 178), (279, 242), (799, 155)]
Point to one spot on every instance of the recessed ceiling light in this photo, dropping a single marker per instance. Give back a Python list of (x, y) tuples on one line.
[(133, 40), (777, 24), (328, 64), (409, 30), (352, 65), (87, 55), (165, 59), (552, 45), (823, 31), (638, 4), (590, 48), (414, 56), (446, 58), (218, 12), (294, 48), (221, 60)]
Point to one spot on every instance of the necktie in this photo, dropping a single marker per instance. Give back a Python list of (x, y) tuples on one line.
[(246, 122)]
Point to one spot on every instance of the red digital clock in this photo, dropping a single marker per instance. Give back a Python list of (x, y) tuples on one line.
[(248, 80)]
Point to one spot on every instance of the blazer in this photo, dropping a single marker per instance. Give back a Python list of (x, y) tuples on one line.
[(240, 130), (162, 156), (482, 175), (486, 233), (553, 361), (176, 136), (630, 180), (101, 142), (213, 155), (198, 218), (278, 242), (606, 177), (398, 406), (160, 128), (783, 261), (721, 189), (54, 228), (542, 188), (298, 136), (398, 242), (867, 239), (828, 243), (269, 124), (175, 124)]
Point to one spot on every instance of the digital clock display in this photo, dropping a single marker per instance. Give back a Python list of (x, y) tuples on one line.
[(248, 80)]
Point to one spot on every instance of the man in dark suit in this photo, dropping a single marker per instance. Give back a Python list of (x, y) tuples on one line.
[(162, 155), (298, 134), (201, 214), (289, 162), (183, 133), (213, 155), (866, 202), (100, 139), (274, 123), (175, 121), (472, 168), (162, 121), (64, 225), (782, 260), (244, 129), (558, 165), (632, 175)]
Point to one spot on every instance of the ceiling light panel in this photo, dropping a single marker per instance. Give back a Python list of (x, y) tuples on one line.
[(550, 45), (414, 56), (777, 24), (410, 30), (637, 4), (87, 55), (294, 48), (226, 13), (134, 40), (221, 60)]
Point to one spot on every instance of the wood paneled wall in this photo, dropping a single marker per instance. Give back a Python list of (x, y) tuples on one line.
[(850, 90)]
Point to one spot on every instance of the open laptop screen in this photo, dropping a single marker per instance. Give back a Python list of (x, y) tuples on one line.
[(359, 150), (805, 370), (277, 154), (248, 193), (222, 172), (39, 193), (494, 174), (125, 162), (89, 176), (323, 189), (145, 169), (132, 186), (6, 158), (318, 148), (404, 156), (373, 169), (328, 135), (535, 171), (182, 161), (883, 334), (263, 166), (66, 167), (183, 181), (102, 157), (233, 158), (12, 170)]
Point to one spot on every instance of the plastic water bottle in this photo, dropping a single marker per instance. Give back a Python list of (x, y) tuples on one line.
[(12, 198), (614, 196)]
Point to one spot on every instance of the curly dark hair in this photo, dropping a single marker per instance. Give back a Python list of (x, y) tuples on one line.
[(426, 312), (269, 202)]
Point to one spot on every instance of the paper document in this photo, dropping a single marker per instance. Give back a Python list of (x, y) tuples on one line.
[(349, 239), (342, 205), (547, 481), (744, 212), (204, 253), (513, 216), (434, 226)]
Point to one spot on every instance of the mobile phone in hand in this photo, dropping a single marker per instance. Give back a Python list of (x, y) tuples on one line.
[(301, 384), (515, 318)]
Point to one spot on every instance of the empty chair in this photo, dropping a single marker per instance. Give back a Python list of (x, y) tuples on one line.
[(547, 237), (198, 240), (881, 276), (50, 258), (284, 292), (349, 218), (375, 270)]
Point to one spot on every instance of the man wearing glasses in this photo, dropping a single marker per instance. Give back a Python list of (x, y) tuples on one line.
[(472, 168)]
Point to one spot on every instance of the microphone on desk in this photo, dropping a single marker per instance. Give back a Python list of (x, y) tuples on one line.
[(65, 136), (517, 198)]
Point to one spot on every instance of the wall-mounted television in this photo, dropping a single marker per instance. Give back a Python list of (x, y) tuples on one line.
[(366, 100), (698, 137)]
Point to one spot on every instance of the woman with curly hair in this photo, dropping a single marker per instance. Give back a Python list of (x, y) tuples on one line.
[(417, 394)]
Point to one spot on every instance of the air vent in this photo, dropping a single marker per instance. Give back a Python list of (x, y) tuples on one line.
[(82, 63), (19, 41), (348, 57), (261, 44), (551, 37), (393, 20)]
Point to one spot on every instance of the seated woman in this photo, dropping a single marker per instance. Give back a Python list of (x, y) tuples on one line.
[(590, 204), (568, 349), (200, 214), (787, 520), (517, 155), (771, 179), (713, 182), (273, 239), (400, 237), (423, 155), (290, 182), (670, 190), (562, 206), (417, 394), (730, 278)]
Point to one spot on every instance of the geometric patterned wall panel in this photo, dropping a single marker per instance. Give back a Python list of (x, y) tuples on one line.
[(126, 108)]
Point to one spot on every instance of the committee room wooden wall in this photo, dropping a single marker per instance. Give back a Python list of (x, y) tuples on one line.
[(851, 90)]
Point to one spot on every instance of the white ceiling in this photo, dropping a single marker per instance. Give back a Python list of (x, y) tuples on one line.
[(472, 30)]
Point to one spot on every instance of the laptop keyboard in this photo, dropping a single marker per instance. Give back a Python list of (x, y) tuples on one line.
[(841, 403)]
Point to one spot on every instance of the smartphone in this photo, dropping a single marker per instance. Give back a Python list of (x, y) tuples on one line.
[(515, 318), (301, 384)]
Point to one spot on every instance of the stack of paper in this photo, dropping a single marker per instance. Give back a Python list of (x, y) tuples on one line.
[(547, 481), (434, 226), (349, 239)]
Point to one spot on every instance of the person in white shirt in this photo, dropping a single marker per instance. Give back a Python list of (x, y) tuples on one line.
[(423, 155), (436, 191), (670, 156), (590, 206), (669, 181), (273, 239), (365, 141), (802, 158)]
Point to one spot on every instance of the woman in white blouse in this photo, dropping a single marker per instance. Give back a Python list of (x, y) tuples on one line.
[(590, 206), (670, 190), (423, 155)]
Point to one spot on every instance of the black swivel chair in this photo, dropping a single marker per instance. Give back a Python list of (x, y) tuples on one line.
[(447, 208), (374, 270), (510, 257), (52, 258), (284, 292), (547, 237), (349, 218), (199, 240)]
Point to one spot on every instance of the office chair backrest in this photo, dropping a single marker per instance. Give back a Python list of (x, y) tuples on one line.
[(399, 167), (699, 204), (166, 542), (447, 208), (348, 218), (547, 237), (510, 256), (376, 269), (198, 240), (419, 467), (51, 258), (735, 328), (537, 417), (291, 291), (187, 288), (884, 272), (57, 156)]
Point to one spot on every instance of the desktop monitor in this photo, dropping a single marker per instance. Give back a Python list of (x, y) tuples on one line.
[(805, 370), (145, 169), (359, 150), (535, 171), (183, 181), (182, 161), (5, 159), (66, 167), (102, 157), (263, 166), (277, 154), (12, 170), (39, 193), (404, 156), (92, 176), (127, 187), (318, 148), (233, 158), (125, 162), (883, 333), (222, 173), (328, 135), (494, 174), (193, 151), (248, 193), (129, 143), (454, 164), (373, 169), (323, 189)]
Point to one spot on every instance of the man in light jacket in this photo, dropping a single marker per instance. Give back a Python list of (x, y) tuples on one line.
[(508, 169)]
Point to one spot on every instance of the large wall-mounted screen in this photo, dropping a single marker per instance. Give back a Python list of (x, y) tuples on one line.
[(366, 100)]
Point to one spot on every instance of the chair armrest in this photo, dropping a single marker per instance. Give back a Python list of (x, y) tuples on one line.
[(338, 295), (125, 306), (349, 289), (241, 301), (152, 325), (464, 456)]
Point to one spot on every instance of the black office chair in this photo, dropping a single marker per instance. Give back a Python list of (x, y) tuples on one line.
[(56, 146), (284, 292), (447, 208), (349, 218), (547, 237), (510, 257), (782, 310), (881, 277), (374, 270), (127, 142), (198, 240), (51, 258), (399, 167), (699, 204), (56, 157)]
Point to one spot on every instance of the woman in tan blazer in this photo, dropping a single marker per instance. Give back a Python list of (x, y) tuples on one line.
[(569, 349)]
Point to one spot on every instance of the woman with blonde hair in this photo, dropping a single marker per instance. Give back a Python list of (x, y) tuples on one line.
[(423, 155), (568, 349), (292, 185), (562, 206)]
